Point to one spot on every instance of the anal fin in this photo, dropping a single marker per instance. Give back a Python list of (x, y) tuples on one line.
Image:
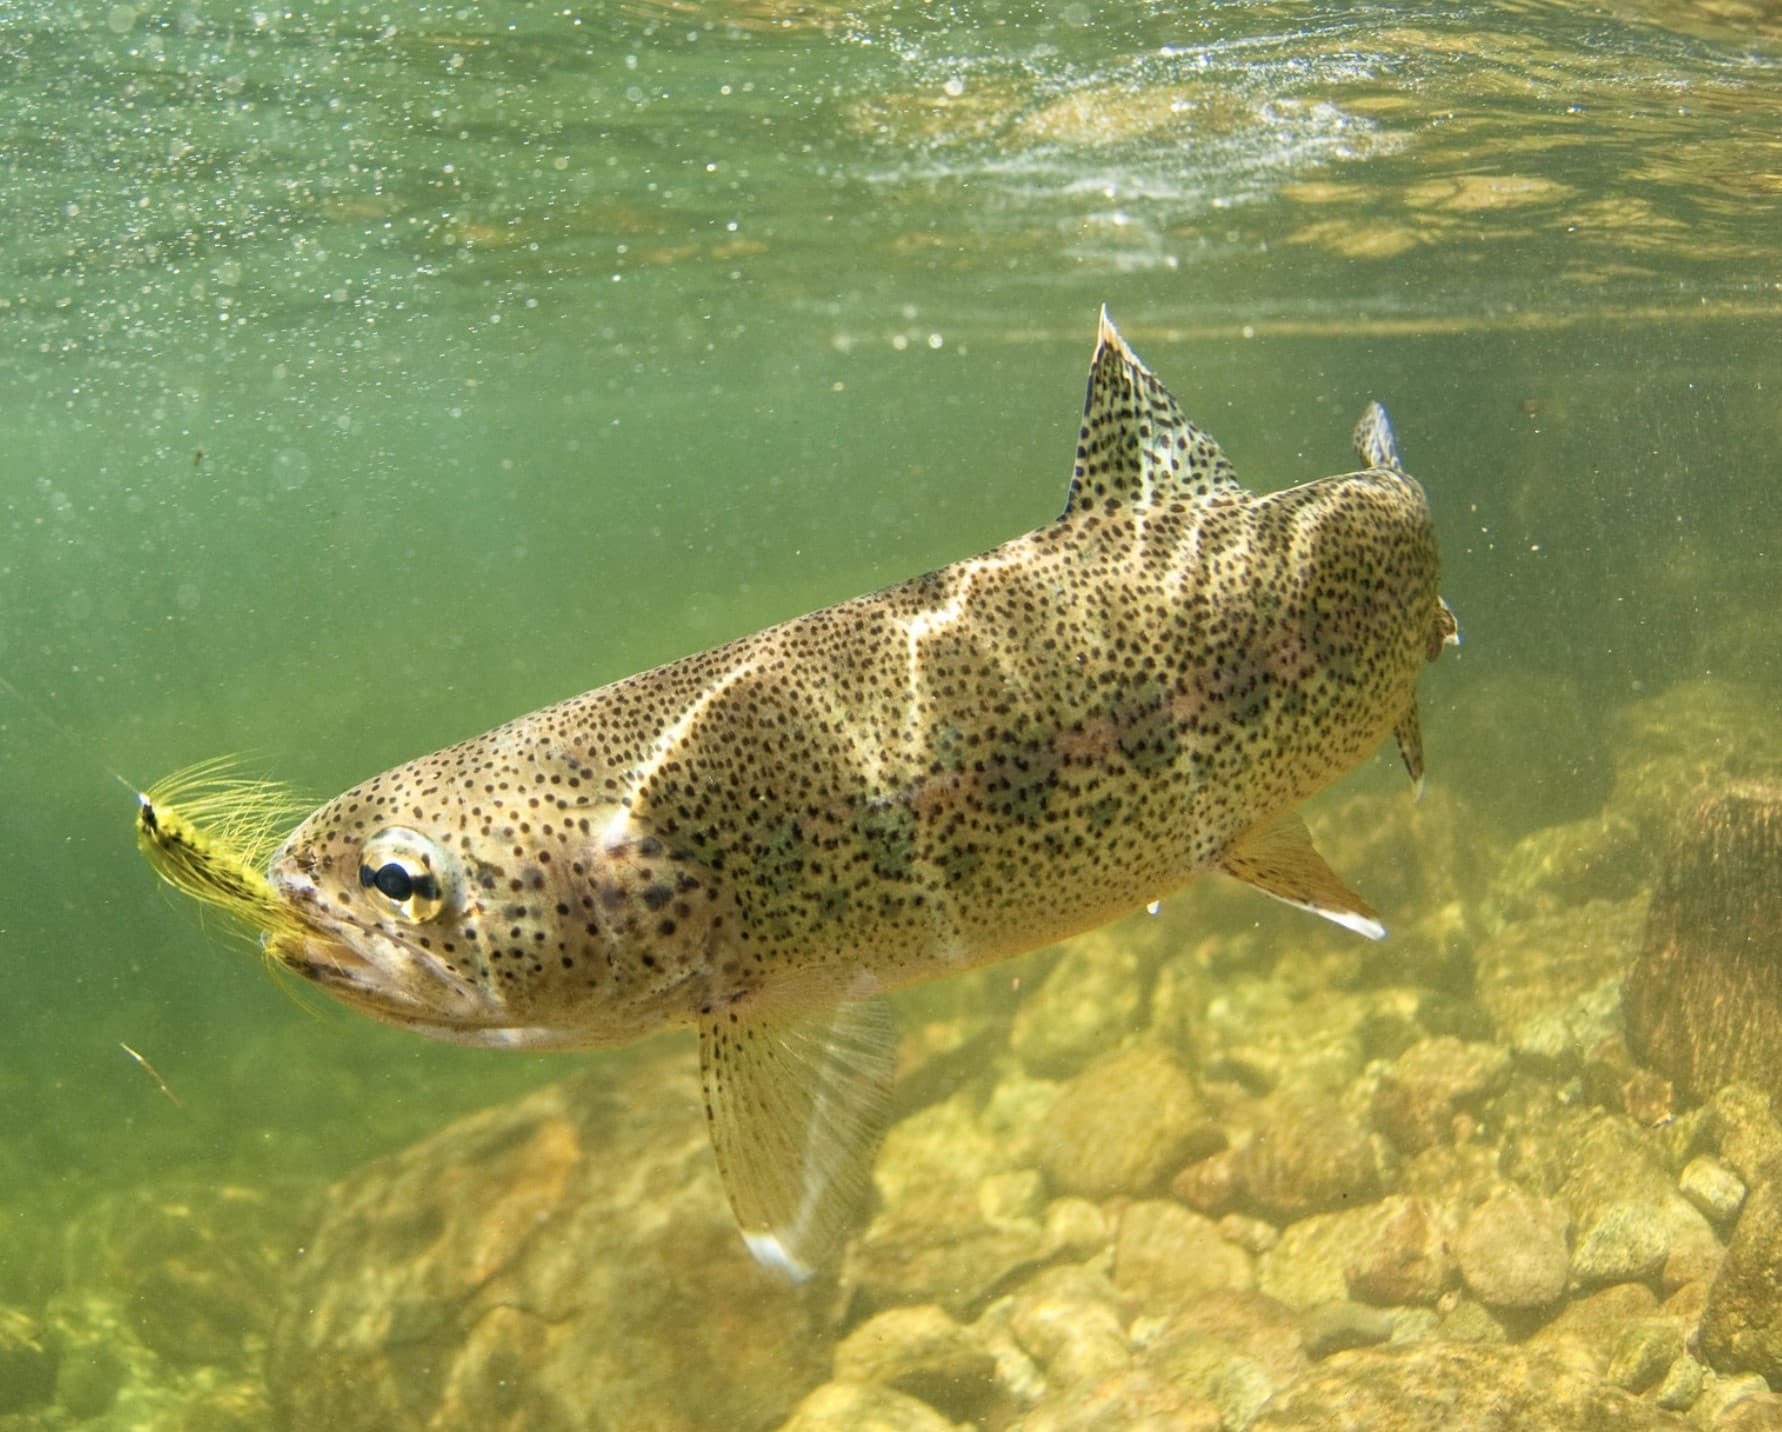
[(798, 1103), (1276, 856)]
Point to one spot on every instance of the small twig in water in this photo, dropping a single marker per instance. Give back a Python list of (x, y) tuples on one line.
[(149, 1069)]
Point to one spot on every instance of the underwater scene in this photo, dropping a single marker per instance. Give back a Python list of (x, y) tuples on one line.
[(378, 372)]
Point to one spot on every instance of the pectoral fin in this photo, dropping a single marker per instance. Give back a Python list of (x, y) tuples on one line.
[(1445, 632), (1409, 735), (1276, 856), (798, 1105)]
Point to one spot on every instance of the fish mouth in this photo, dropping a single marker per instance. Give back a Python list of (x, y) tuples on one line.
[(377, 972)]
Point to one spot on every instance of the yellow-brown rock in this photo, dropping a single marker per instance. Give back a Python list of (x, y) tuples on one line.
[(1704, 999)]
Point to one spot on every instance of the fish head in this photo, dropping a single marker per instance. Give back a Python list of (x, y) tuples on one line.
[(469, 916)]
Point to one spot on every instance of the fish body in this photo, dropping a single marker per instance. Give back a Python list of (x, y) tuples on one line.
[(760, 839)]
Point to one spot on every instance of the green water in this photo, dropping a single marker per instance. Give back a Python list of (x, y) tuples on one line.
[(373, 373)]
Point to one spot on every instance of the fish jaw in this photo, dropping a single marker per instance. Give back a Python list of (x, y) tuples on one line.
[(378, 973)]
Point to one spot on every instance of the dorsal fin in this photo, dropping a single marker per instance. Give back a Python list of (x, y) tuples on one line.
[(1374, 443), (1136, 447)]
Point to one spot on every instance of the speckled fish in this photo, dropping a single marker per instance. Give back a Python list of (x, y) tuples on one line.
[(760, 840)]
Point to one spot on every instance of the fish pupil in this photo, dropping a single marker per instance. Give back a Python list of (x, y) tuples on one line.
[(391, 879)]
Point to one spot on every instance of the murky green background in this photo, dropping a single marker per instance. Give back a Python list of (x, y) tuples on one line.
[(373, 373)]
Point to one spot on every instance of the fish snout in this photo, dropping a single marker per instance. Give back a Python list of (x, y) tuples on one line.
[(383, 972)]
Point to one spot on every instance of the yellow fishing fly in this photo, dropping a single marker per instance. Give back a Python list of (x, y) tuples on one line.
[(208, 831)]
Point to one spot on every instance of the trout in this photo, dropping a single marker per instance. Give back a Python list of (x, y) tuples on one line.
[(761, 840)]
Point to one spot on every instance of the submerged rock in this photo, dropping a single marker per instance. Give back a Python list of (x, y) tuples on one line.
[(1339, 1326), (1441, 1386), (1694, 734), (198, 1267), (1394, 1250), (567, 1252), (1306, 1155), (944, 1247), (858, 1407), (1596, 860), (1742, 1122), (1165, 1256), (1199, 1345), (1712, 1187), (923, 1352), (99, 1360), (27, 1361), (1742, 1324), (1513, 1250), (1088, 1001), (1590, 1328), (1407, 1259), (1704, 999), (1124, 1125), (1134, 1400), (1070, 1321), (1415, 1103), (1535, 970)]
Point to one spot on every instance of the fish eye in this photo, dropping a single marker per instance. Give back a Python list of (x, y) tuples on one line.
[(405, 873)]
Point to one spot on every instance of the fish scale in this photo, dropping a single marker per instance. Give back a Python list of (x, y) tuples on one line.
[(762, 839)]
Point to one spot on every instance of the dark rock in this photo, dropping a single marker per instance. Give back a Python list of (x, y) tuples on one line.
[(1626, 1241), (956, 1219), (240, 1406), (1259, 1034), (569, 1251), (1681, 1385), (1627, 1212), (1720, 1398), (1694, 734), (1594, 860), (1437, 1387), (1742, 1324), (1704, 999)]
